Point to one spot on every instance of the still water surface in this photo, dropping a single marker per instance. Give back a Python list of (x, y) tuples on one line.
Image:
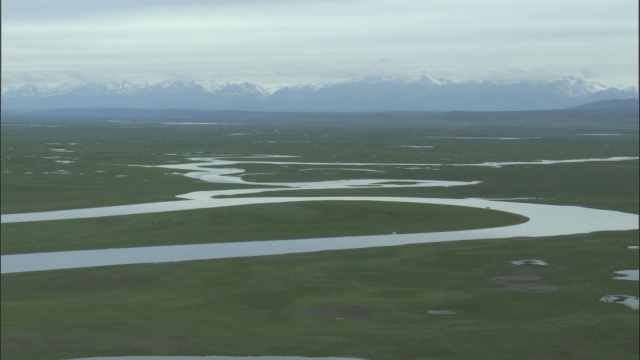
[(544, 220)]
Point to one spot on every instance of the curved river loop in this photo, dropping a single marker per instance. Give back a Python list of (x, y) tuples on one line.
[(544, 220)]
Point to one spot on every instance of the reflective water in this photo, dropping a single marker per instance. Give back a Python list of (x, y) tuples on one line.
[(544, 220), (537, 262), (633, 275), (628, 300)]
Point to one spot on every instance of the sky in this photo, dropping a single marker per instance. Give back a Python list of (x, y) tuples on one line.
[(285, 42)]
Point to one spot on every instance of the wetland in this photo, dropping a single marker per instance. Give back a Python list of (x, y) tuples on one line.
[(318, 179)]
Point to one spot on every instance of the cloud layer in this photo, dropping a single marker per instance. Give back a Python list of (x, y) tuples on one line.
[(285, 42)]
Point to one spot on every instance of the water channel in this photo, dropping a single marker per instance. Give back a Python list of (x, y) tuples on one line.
[(544, 220)]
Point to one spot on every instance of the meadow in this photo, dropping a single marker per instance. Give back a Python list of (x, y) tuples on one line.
[(370, 303)]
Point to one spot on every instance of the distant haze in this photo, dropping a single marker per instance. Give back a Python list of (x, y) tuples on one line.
[(277, 43), (365, 94)]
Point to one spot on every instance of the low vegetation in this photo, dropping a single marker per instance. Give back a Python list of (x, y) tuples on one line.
[(370, 303)]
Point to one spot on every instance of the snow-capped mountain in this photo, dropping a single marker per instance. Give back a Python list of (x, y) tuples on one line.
[(435, 94), (426, 93)]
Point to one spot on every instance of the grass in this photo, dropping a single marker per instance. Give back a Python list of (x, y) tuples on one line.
[(246, 223), (103, 150), (304, 304), (369, 303)]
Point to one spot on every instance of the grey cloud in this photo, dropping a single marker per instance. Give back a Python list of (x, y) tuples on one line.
[(48, 9), (21, 10), (585, 73), (284, 41)]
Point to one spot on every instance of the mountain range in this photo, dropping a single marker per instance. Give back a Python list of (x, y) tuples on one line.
[(366, 94)]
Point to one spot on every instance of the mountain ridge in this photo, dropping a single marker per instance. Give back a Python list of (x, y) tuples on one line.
[(425, 93), (609, 104)]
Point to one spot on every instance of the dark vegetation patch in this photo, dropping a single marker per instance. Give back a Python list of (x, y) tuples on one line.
[(340, 311), (522, 281)]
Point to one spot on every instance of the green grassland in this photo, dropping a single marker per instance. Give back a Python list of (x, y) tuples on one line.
[(370, 303), (247, 223), (103, 150)]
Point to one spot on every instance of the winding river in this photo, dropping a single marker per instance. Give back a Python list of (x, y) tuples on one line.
[(544, 220)]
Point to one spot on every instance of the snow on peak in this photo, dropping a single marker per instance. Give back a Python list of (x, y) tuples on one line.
[(373, 92)]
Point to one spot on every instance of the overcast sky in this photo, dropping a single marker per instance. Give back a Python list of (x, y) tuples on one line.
[(280, 42)]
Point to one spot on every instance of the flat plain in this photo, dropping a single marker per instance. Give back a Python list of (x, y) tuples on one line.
[(371, 303)]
